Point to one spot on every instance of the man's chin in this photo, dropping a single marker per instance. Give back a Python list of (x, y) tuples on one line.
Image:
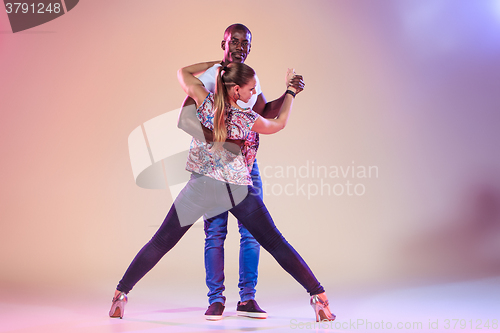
[(238, 59)]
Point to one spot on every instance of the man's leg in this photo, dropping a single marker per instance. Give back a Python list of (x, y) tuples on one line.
[(215, 232), (249, 261)]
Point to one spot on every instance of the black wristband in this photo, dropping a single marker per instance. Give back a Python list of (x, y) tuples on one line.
[(290, 92)]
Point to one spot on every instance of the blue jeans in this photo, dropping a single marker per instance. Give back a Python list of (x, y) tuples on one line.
[(203, 195), (215, 232)]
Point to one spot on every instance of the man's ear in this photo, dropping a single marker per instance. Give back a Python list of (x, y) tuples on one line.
[(223, 45)]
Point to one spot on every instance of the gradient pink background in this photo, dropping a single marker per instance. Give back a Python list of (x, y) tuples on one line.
[(408, 86)]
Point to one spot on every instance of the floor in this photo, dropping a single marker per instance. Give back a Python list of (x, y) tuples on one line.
[(470, 306)]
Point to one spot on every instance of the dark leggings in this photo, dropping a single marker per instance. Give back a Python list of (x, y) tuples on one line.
[(251, 212)]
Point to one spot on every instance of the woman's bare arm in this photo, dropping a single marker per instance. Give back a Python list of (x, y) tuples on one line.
[(271, 126), (190, 83)]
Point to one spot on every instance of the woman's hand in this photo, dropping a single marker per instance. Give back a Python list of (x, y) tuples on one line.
[(295, 81), (290, 73)]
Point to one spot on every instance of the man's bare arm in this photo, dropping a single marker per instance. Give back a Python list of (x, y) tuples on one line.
[(189, 123)]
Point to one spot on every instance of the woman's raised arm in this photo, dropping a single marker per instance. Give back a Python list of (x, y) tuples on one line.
[(271, 126), (190, 84)]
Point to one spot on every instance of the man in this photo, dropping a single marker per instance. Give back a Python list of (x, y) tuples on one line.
[(236, 46)]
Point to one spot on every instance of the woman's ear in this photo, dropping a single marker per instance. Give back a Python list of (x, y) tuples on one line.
[(234, 92)]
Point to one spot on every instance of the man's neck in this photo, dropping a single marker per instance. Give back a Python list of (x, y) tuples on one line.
[(225, 62)]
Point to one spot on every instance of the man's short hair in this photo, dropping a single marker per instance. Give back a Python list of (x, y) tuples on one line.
[(237, 26)]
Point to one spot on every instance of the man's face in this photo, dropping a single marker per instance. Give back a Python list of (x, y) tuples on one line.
[(236, 46)]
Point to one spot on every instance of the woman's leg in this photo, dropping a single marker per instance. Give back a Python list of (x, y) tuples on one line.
[(169, 233), (253, 214), (190, 204)]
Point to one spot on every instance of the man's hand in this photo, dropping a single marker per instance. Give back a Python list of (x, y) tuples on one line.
[(296, 81)]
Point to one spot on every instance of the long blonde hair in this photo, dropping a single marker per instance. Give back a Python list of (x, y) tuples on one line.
[(232, 75)]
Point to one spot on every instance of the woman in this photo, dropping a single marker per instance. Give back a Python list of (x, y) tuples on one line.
[(221, 181)]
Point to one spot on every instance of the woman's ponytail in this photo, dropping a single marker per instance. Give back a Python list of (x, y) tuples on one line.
[(227, 77), (220, 98)]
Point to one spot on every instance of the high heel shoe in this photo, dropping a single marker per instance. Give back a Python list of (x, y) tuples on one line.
[(321, 307), (118, 306)]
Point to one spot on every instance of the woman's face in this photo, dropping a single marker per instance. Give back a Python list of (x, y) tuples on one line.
[(247, 91)]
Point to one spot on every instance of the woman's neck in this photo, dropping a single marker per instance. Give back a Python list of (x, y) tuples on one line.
[(234, 103)]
